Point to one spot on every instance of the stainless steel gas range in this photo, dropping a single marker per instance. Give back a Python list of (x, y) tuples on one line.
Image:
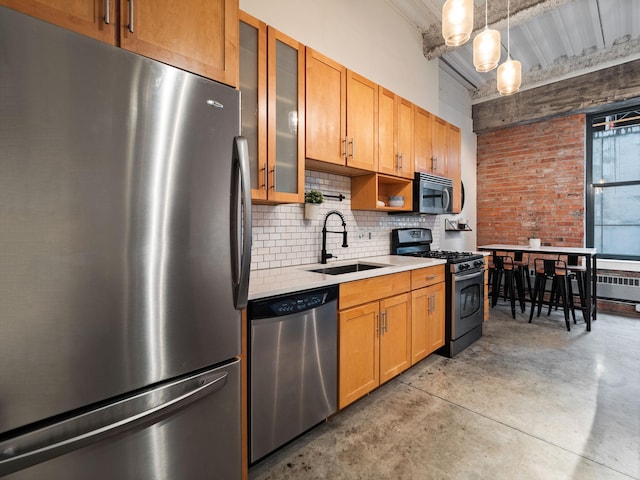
[(464, 286)]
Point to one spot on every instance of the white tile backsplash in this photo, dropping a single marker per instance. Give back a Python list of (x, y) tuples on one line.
[(282, 237)]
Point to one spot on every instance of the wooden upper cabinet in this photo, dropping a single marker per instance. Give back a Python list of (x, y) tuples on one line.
[(439, 147), (200, 36), (422, 140), (286, 118), (273, 106), (395, 135), (326, 108), (454, 144), (362, 122), (342, 109), (87, 17), (253, 86), (386, 132), (405, 138)]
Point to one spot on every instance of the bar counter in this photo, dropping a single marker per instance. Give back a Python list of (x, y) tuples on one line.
[(589, 254)]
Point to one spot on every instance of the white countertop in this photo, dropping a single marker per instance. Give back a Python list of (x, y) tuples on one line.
[(278, 281)]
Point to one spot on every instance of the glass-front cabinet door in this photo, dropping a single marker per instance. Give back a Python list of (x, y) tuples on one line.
[(273, 114), (253, 86), (285, 143)]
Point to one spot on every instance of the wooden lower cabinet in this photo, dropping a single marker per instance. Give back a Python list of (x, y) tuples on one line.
[(374, 333), (427, 321), (428, 311), (374, 345), (387, 324), (359, 348), (395, 336)]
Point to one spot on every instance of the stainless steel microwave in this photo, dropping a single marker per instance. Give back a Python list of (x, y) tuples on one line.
[(432, 194)]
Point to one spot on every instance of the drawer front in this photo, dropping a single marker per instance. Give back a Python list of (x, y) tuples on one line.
[(375, 288), (423, 277)]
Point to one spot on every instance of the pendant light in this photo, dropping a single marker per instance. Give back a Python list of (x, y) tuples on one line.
[(457, 21), (510, 72), (486, 46)]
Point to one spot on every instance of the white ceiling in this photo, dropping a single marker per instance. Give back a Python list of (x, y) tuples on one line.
[(553, 39)]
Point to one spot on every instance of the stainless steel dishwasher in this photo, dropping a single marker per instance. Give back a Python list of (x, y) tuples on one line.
[(292, 366)]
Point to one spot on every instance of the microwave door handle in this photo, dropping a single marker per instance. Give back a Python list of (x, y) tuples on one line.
[(446, 199)]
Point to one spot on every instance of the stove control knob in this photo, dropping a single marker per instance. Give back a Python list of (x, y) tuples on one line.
[(478, 263), (464, 266)]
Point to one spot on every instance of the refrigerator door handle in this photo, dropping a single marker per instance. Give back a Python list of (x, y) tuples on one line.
[(240, 222), (134, 412)]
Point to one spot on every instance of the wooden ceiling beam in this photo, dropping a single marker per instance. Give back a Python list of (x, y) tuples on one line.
[(582, 94)]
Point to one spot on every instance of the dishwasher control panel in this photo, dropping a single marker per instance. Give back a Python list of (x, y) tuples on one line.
[(291, 303)]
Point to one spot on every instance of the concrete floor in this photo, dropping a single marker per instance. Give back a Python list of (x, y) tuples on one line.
[(527, 401)]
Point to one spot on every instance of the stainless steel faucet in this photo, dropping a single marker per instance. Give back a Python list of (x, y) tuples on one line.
[(323, 254)]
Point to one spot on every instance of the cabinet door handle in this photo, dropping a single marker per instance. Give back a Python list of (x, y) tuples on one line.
[(131, 16), (352, 148), (378, 324), (430, 277), (273, 181), (346, 148), (107, 13), (383, 320), (400, 161), (434, 164), (265, 177), (386, 321)]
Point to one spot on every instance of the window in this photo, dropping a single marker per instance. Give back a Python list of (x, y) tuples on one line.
[(613, 183)]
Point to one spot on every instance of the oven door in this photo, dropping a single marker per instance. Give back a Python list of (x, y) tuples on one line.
[(467, 302), (432, 197)]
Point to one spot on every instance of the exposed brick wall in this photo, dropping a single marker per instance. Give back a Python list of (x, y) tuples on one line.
[(531, 182)]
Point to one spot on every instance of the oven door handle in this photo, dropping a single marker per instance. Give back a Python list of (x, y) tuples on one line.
[(460, 277)]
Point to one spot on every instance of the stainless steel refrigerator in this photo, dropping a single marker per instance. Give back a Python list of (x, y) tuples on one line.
[(125, 235)]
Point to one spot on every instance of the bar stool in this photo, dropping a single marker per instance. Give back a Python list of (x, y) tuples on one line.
[(556, 271), (503, 268), (576, 270), (522, 275)]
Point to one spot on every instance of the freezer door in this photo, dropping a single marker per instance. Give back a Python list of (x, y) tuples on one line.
[(187, 429), (117, 200)]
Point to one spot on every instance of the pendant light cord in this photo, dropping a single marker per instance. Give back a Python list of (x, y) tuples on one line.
[(486, 17), (508, 31)]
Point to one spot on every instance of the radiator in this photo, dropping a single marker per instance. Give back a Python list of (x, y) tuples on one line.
[(619, 288)]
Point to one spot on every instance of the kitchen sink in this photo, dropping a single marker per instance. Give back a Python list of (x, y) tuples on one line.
[(349, 268)]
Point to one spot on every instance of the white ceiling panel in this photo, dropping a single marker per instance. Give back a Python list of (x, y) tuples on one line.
[(552, 39)]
